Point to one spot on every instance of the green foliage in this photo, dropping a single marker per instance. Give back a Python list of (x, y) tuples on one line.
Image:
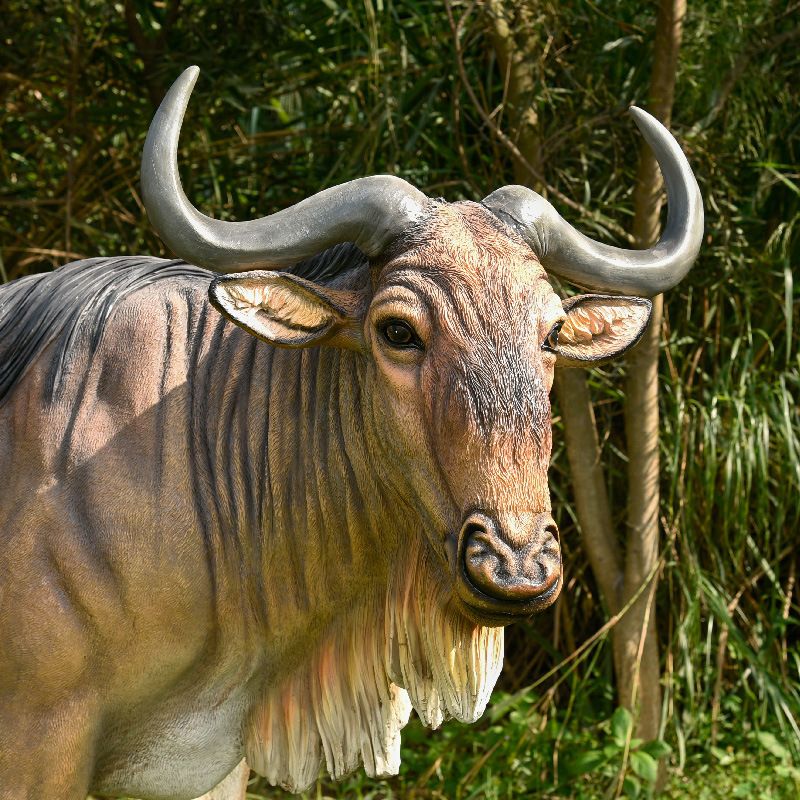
[(526, 747), (296, 96)]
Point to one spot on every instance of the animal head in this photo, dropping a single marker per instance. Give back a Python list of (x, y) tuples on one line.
[(460, 330)]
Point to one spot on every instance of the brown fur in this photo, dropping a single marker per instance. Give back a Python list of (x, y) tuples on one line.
[(215, 547)]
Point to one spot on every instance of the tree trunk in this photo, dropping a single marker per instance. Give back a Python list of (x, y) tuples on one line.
[(641, 674), (619, 578), (591, 500), (515, 49)]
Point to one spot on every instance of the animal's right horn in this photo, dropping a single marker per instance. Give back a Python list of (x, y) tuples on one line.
[(370, 212), (566, 252)]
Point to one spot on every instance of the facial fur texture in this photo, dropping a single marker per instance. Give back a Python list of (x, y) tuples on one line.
[(472, 273), (483, 379)]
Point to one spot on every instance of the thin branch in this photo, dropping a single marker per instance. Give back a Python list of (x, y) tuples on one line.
[(623, 26), (612, 621), (460, 145), (511, 147), (134, 28), (740, 65)]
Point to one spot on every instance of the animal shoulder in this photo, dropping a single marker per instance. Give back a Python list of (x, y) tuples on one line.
[(72, 307)]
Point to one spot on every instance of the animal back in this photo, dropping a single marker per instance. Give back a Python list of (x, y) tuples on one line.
[(73, 302)]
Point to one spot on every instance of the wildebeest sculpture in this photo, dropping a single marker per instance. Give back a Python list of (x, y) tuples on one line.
[(267, 526)]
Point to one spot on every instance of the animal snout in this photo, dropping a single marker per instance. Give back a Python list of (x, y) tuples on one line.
[(524, 572)]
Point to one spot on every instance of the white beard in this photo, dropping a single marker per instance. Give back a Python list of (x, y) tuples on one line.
[(350, 700)]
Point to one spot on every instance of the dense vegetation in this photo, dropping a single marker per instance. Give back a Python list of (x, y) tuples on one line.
[(297, 96)]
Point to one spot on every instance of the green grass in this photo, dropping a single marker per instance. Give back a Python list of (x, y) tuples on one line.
[(526, 748)]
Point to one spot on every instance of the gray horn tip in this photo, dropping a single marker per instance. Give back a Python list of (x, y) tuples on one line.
[(180, 90), (652, 130), (187, 79), (642, 119)]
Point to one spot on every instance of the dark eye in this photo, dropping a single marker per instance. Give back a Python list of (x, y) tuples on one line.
[(401, 334), (550, 342)]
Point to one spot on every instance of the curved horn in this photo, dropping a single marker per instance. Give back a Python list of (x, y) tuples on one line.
[(567, 253), (369, 211)]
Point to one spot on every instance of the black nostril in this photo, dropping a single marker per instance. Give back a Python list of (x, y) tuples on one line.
[(479, 523), (544, 525)]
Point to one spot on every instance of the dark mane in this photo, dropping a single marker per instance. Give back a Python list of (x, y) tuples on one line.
[(328, 264), (77, 301)]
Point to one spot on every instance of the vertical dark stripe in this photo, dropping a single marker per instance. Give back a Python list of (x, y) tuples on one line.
[(197, 448)]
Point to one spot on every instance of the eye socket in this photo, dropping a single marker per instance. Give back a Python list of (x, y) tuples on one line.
[(550, 343), (400, 334)]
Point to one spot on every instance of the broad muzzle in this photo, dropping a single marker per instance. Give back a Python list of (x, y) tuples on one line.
[(506, 574)]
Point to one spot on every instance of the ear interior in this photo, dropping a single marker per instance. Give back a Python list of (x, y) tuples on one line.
[(285, 310), (600, 328)]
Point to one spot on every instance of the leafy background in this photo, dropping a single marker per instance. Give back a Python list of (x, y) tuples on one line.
[(297, 96)]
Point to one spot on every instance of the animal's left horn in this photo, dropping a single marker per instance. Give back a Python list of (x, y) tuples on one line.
[(565, 252), (369, 211)]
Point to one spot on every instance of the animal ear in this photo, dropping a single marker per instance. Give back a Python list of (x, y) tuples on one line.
[(598, 328), (288, 311)]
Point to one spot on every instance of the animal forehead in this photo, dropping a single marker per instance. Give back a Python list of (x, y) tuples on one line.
[(465, 242)]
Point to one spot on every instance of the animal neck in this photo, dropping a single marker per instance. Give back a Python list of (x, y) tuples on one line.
[(289, 475), (324, 514)]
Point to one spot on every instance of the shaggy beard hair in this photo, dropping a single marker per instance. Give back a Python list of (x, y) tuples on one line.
[(348, 703)]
